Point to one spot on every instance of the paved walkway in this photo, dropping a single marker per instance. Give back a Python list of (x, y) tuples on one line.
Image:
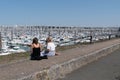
[(106, 68), (26, 67)]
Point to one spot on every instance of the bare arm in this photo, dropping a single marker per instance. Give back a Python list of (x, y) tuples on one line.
[(31, 48)]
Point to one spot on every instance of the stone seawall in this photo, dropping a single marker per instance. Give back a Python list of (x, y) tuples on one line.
[(60, 70)]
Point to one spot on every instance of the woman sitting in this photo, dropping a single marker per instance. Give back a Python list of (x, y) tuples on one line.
[(35, 49), (50, 48)]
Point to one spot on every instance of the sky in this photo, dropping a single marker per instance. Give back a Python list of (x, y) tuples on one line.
[(93, 13)]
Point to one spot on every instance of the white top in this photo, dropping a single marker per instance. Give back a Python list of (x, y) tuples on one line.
[(51, 46)]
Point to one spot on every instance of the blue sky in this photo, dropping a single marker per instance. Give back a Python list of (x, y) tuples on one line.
[(60, 12)]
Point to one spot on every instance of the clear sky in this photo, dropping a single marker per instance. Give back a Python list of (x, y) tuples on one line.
[(60, 12)]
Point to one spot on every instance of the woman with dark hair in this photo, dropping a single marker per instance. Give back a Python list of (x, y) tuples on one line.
[(35, 49)]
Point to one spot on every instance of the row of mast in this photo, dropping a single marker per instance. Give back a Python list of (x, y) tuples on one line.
[(19, 30)]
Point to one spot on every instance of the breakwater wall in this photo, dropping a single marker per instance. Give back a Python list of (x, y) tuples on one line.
[(60, 70)]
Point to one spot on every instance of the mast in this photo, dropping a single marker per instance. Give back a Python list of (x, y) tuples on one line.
[(0, 42)]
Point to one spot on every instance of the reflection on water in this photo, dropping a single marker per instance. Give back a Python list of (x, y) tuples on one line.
[(26, 48)]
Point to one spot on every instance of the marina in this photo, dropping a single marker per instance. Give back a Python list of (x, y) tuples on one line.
[(14, 39), (59, 40)]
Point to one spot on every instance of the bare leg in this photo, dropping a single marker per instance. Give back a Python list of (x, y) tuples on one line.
[(56, 54)]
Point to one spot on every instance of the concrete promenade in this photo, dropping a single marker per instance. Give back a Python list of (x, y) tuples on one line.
[(106, 68), (57, 66)]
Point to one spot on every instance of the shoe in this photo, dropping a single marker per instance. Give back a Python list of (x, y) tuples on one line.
[(44, 57)]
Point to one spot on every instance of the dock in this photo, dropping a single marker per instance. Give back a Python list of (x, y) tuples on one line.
[(58, 66)]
